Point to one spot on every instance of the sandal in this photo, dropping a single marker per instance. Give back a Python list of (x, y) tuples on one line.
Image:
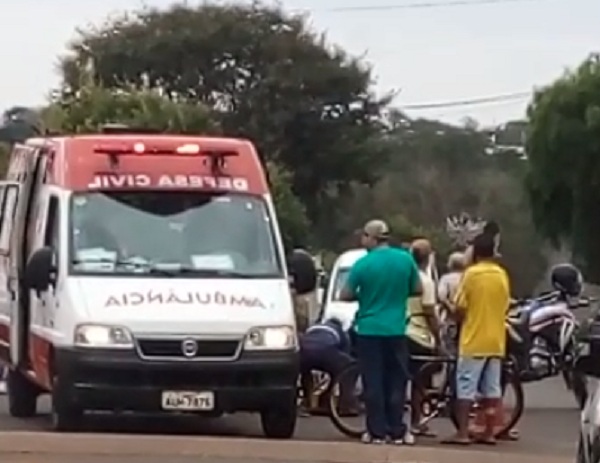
[(511, 435), (422, 431), (485, 440)]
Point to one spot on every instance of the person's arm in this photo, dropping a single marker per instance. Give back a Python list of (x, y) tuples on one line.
[(444, 292), (350, 289), (461, 299), (428, 306), (469, 255), (508, 292), (416, 286)]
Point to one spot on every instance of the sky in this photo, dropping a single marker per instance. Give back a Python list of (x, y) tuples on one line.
[(427, 55)]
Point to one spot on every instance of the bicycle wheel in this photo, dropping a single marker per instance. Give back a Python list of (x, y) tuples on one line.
[(431, 384), (320, 384), (511, 385), (350, 424)]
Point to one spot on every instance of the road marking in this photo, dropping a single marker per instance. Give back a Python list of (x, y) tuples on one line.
[(44, 443)]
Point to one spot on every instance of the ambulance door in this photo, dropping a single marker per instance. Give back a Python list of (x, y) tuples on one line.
[(8, 207), (43, 305), (18, 255), (4, 305)]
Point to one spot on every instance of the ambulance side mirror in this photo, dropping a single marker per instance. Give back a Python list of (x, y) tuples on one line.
[(303, 272), (40, 272)]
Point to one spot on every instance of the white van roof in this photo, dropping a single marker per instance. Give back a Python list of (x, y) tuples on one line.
[(348, 258)]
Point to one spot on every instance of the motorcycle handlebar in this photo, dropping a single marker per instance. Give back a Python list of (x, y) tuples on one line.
[(541, 298), (583, 302), (580, 302)]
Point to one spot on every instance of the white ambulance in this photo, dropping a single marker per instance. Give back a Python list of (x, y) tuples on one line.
[(146, 273)]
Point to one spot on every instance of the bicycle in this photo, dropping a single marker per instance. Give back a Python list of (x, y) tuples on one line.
[(320, 390), (436, 402)]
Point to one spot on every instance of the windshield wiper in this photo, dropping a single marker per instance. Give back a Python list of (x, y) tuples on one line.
[(170, 270), (210, 272), (125, 263)]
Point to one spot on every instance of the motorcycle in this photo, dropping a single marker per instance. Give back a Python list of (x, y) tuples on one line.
[(542, 339)]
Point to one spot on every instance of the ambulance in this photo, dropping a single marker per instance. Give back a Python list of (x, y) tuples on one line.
[(146, 273)]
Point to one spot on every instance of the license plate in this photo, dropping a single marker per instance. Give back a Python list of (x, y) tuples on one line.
[(185, 400)]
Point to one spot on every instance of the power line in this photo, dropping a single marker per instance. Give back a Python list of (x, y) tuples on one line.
[(468, 102), (419, 5)]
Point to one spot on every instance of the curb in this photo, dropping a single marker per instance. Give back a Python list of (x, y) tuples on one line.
[(43, 443)]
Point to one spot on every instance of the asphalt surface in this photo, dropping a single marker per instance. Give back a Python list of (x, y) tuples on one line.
[(548, 428)]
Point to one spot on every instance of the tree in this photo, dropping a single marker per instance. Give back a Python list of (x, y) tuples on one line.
[(94, 106), (437, 170), (308, 106), (20, 123), (291, 213), (563, 147)]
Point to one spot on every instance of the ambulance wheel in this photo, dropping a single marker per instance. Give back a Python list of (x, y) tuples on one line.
[(22, 395), (65, 415), (279, 423)]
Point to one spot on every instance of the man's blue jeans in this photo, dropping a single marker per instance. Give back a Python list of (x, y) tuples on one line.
[(383, 361)]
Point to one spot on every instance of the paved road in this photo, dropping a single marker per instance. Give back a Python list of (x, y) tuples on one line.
[(549, 426), (145, 459)]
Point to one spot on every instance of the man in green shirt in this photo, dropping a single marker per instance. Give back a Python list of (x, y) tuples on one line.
[(381, 282)]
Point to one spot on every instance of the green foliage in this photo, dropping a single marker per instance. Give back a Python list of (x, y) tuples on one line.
[(267, 76), (20, 123), (437, 170), (291, 213), (95, 106), (564, 162)]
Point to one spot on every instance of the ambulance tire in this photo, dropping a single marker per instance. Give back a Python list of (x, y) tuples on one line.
[(22, 395), (279, 423), (66, 417)]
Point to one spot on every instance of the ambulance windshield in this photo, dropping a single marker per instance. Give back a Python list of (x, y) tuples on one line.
[(172, 233)]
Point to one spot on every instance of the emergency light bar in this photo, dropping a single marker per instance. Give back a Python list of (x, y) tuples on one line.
[(140, 148), (114, 150)]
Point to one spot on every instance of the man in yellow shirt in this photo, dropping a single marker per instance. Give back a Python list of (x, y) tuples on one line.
[(481, 301)]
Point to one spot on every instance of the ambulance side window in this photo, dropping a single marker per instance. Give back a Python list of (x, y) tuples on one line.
[(7, 215), (2, 193), (51, 235)]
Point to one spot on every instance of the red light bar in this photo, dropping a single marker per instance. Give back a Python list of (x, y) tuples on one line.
[(141, 148), (188, 149)]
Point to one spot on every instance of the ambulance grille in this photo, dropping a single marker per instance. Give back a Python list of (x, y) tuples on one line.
[(188, 349)]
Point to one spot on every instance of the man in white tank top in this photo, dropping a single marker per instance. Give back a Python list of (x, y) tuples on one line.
[(449, 281)]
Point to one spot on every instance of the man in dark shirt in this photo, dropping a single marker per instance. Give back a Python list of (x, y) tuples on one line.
[(326, 347)]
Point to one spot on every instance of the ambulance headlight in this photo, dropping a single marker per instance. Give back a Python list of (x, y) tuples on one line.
[(103, 336), (271, 338)]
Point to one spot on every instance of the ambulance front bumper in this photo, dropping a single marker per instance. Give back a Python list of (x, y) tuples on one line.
[(112, 380)]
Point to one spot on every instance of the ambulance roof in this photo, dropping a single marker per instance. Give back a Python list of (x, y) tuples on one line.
[(142, 161)]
